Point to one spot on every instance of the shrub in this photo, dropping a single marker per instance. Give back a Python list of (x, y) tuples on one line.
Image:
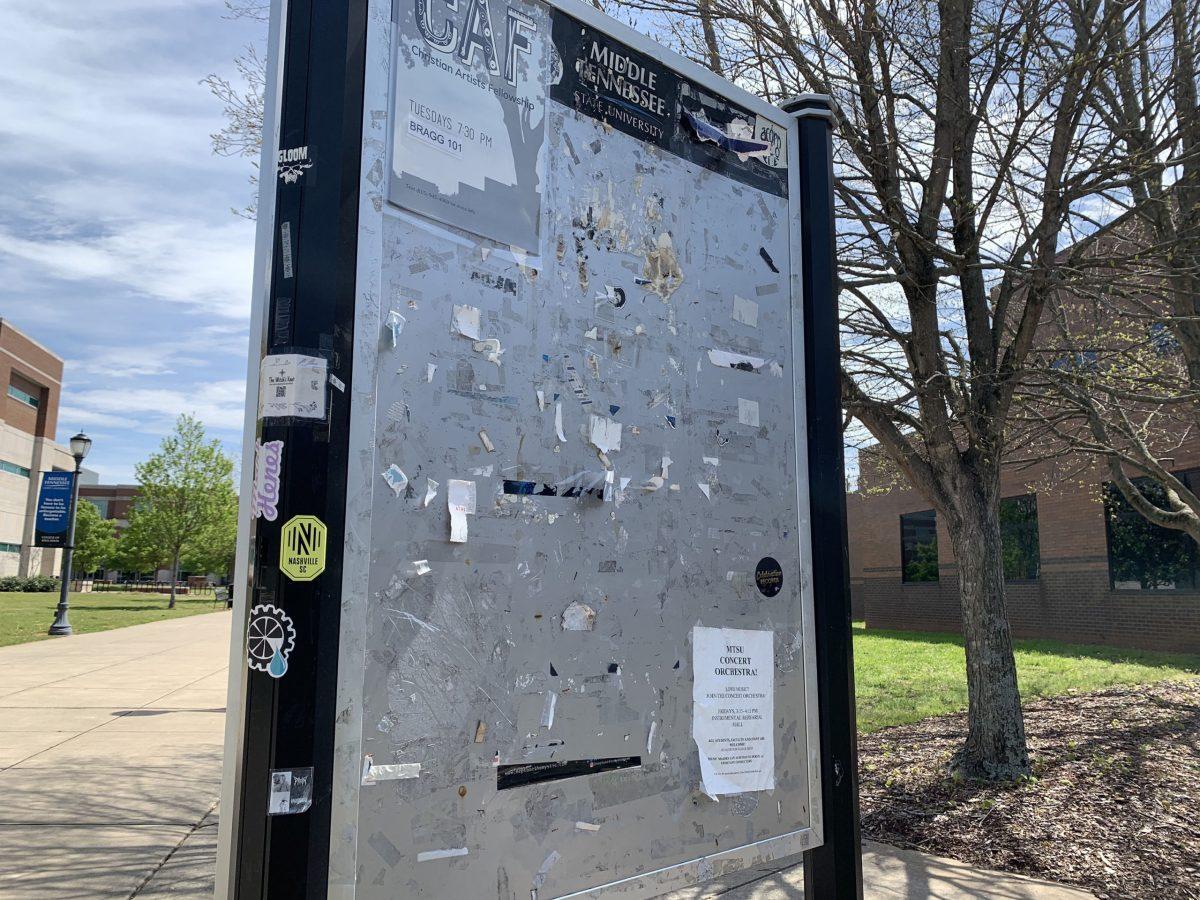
[(35, 583)]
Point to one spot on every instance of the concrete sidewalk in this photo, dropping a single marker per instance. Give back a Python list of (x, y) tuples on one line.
[(110, 758), (110, 768)]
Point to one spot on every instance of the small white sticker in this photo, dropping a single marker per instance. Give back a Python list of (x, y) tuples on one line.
[(396, 479), (292, 385), (748, 412), (460, 498), (466, 321)]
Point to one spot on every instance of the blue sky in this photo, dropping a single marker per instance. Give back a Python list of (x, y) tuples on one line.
[(118, 247)]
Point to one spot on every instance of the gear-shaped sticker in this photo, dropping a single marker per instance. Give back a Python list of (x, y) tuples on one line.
[(270, 638)]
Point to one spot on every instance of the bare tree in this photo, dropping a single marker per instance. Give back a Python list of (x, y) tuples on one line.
[(1123, 382), (242, 99), (968, 151)]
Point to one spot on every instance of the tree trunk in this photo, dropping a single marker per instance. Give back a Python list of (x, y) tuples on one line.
[(174, 580), (995, 747)]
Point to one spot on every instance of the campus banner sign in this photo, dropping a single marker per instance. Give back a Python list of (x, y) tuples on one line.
[(54, 509)]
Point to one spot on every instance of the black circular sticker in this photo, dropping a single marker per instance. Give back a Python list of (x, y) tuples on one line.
[(768, 576)]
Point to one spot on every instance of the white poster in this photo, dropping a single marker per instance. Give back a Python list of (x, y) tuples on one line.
[(292, 385), (470, 96), (733, 708)]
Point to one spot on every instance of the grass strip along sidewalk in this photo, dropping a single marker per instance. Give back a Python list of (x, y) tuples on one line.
[(905, 676), (26, 617)]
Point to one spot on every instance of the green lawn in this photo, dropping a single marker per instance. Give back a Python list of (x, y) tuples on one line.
[(903, 676), (26, 617)]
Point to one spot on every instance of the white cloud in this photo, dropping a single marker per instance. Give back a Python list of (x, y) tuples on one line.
[(220, 405), (117, 245), (206, 267)]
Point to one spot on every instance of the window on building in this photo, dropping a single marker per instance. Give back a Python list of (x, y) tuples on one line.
[(1142, 556), (24, 396), (101, 503), (1081, 361), (9, 548), (1162, 339), (1019, 535), (918, 546), (13, 468)]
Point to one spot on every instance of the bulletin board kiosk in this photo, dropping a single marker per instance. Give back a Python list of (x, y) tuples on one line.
[(542, 582)]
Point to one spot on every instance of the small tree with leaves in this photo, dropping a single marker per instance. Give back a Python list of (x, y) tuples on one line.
[(186, 491), (95, 539)]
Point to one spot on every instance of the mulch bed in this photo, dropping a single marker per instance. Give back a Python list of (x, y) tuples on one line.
[(1114, 805)]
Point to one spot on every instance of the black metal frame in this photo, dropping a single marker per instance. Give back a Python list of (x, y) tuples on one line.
[(833, 870), (289, 722)]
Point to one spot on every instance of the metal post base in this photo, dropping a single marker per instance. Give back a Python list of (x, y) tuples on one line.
[(61, 626)]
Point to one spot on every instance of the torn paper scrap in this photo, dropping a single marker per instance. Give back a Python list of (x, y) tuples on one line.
[(395, 324), (705, 490), (396, 772), (430, 368), (466, 321), (541, 398), (727, 359), (484, 471), (776, 369), (373, 773), (460, 498), (586, 826), (666, 467), (486, 441), (737, 137), (396, 479), (548, 709), (539, 877), (431, 487), (604, 434), (558, 426), (490, 349), (748, 412), (733, 709), (441, 854), (419, 567), (745, 311), (712, 461), (578, 617)]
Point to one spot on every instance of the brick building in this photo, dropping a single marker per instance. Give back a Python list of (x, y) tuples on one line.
[(114, 501), (31, 377), (1082, 566)]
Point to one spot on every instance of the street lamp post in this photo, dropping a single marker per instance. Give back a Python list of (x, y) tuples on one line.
[(80, 445)]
